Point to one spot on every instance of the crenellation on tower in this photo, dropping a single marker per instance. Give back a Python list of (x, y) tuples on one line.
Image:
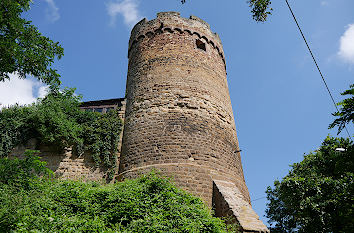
[(200, 20), (173, 22), (167, 14)]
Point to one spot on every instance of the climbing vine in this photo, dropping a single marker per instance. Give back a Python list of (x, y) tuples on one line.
[(57, 120), (101, 138)]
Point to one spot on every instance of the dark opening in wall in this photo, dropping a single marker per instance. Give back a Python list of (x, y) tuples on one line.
[(200, 45)]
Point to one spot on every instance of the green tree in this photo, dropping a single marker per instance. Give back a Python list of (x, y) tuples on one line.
[(317, 194), (260, 9), (23, 49), (346, 113)]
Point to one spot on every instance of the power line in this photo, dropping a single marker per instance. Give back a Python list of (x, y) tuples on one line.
[(258, 199), (318, 68)]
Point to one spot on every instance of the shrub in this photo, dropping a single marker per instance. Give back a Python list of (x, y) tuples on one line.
[(23, 173), (146, 204)]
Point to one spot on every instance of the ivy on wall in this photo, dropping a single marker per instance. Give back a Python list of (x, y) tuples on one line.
[(57, 120)]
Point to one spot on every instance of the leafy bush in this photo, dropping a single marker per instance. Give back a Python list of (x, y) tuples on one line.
[(14, 128), (147, 204), (23, 173), (58, 121), (55, 119)]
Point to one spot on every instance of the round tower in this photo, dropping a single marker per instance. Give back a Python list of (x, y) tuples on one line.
[(179, 118)]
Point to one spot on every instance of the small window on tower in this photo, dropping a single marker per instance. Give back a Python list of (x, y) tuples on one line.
[(200, 45)]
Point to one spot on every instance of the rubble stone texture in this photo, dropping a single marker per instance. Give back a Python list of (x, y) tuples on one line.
[(179, 118), (65, 164)]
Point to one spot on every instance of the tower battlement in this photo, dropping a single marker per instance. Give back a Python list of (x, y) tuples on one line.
[(172, 22)]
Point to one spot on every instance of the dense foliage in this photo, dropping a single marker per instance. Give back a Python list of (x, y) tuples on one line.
[(57, 120), (147, 204), (260, 9), (346, 113), (23, 49), (23, 174), (317, 194)]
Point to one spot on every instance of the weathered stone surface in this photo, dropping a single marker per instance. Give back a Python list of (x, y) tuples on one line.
[(179, 117), (229, 202), (65, 164)]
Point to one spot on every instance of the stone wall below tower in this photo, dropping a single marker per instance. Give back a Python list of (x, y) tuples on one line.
[(65, 164)]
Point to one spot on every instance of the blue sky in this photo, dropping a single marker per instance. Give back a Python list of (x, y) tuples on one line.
[(282, 109)]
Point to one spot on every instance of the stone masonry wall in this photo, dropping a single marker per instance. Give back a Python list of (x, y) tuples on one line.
[(179, 115), (179, 118), (228, 202), (65, 164)]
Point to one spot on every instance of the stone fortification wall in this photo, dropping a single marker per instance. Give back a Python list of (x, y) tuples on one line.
[(179, 118), (65, 163)]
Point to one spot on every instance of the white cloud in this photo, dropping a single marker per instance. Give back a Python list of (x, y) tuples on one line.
[(52, 11), (346, 47), (21, 91), (42, 91), (127, 8)]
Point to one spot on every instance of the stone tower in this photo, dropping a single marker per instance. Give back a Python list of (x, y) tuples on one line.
[(179, 118)]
